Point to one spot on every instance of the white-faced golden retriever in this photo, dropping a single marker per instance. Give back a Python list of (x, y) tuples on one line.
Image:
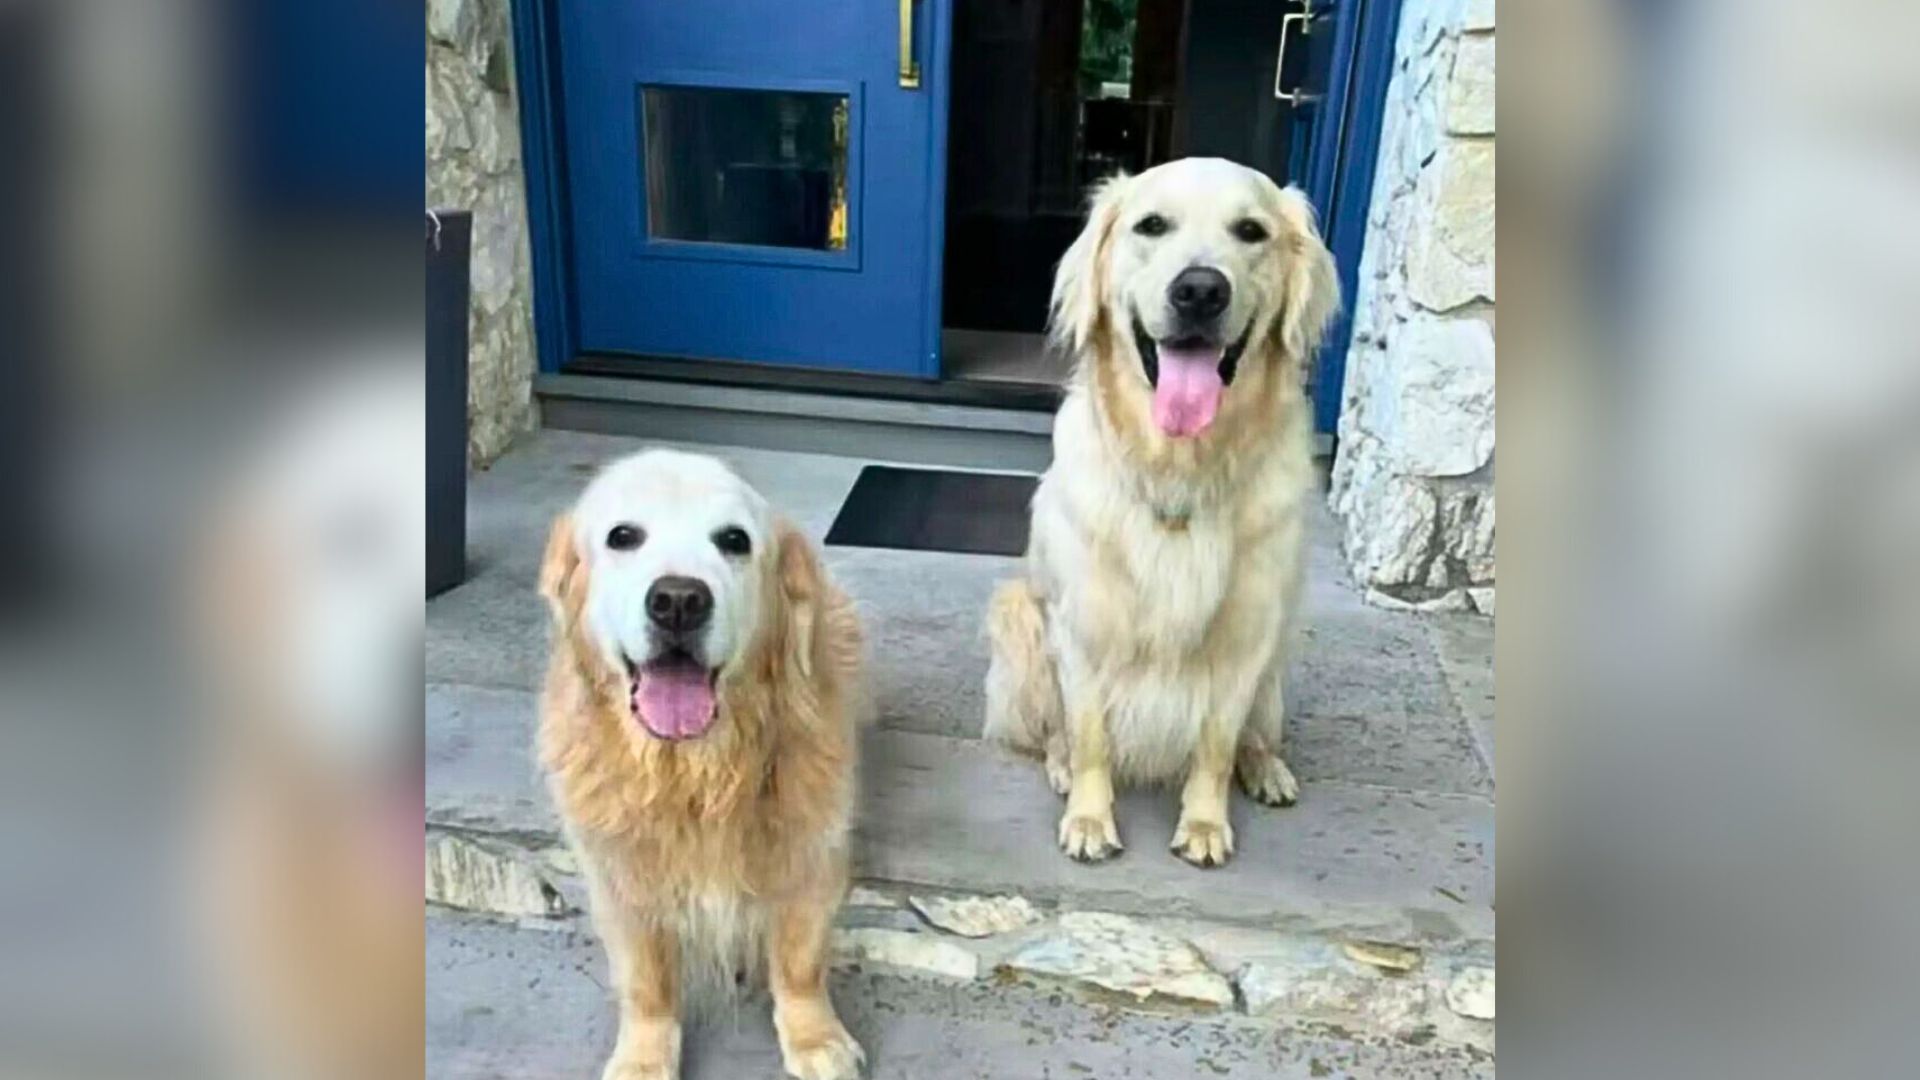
[(698, 732), (1147, 636)]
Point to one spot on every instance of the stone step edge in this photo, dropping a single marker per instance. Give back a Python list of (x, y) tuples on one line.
[(548, 852), (1397, 989), (799, 403)]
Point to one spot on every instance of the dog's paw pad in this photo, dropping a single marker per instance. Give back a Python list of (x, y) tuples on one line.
[(1204, 843), (1269, 781), (835, 1057), (1089, 837)]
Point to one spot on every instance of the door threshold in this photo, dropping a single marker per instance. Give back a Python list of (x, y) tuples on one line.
[(991, 405), (980, 393), (939, 433)]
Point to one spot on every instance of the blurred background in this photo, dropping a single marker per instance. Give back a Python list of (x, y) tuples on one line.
[(210, 410), (1711, 419), (210, 345)]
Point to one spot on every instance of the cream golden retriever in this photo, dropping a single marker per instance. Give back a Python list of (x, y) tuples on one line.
[(697, 729), (1148, 634)]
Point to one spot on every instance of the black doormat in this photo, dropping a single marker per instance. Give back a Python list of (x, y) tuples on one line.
[(935, 510)]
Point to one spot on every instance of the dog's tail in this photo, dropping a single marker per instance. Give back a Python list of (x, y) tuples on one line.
[(1023, 695)]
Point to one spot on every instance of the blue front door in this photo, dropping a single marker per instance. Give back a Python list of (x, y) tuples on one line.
[(757, 180)]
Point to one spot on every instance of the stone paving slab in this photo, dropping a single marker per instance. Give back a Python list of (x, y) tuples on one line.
[(959, 814), (517, 1003), (1465, 648)]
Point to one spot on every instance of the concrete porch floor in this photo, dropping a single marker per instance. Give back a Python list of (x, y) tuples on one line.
[(1390, 732)]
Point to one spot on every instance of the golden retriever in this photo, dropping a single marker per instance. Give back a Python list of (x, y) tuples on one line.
[(1148, 632), (697, 729)]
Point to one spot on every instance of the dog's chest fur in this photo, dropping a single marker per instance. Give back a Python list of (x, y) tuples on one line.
[(1157, 576), (678, 827), (1170, 604)]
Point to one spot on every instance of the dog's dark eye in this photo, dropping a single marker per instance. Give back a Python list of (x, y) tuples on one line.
[(1249, 231), (733, 540), (1152, 225), (625, 537)]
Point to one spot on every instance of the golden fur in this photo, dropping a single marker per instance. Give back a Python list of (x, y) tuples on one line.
[(702, 851), (1146, 638)]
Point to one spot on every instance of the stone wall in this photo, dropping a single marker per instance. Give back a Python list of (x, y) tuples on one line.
[(473, 163), (1413, 480)]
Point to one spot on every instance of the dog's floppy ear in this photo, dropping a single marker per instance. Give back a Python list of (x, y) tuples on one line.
[(801, 584), (1310, 294), (559, 568), (1080, 282)]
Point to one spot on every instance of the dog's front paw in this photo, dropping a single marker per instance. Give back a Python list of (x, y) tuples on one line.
[(1203, 843), (1089, 837), (830, 1055), (1266, 779), (648, 1049)]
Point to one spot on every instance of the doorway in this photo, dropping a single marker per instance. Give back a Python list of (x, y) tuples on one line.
[(1050, 96), (847, 199)]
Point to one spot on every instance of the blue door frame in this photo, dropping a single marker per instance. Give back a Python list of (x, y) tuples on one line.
[(1339, 171), (1339, 180)]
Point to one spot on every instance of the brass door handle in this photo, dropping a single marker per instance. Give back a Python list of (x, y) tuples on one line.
[(1291, 97), (909, 67)]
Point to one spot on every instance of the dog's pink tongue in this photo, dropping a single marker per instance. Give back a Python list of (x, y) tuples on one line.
[(674, 699), (1187, 394)]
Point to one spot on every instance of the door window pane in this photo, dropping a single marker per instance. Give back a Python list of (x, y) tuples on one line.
[(764, 167)]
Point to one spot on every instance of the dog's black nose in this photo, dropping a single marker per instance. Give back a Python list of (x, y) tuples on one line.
[(1199, 293), (679, 605)]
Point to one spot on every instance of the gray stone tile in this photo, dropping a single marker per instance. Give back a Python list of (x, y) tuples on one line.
[(1367, 702), (1465, 647), (926, 643), (480, 756), (507, 1002), (489, 631)]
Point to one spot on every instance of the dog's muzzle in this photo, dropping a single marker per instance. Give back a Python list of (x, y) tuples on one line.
[(1189, 375), (672, 692)]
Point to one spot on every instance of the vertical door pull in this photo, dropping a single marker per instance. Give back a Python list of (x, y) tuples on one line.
[(1291, 97), (910, 67)]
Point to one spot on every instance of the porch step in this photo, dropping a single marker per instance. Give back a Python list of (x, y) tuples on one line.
[(918, 432), (958, 814)]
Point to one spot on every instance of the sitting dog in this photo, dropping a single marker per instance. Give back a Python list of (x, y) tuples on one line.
[(697, 729), (1147, 635)]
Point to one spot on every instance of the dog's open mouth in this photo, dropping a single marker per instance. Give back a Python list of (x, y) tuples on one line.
[(672, 695), (1189, 376)]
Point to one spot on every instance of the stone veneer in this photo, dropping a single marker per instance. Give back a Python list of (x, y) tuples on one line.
[(1413, 479), (473, 163)]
